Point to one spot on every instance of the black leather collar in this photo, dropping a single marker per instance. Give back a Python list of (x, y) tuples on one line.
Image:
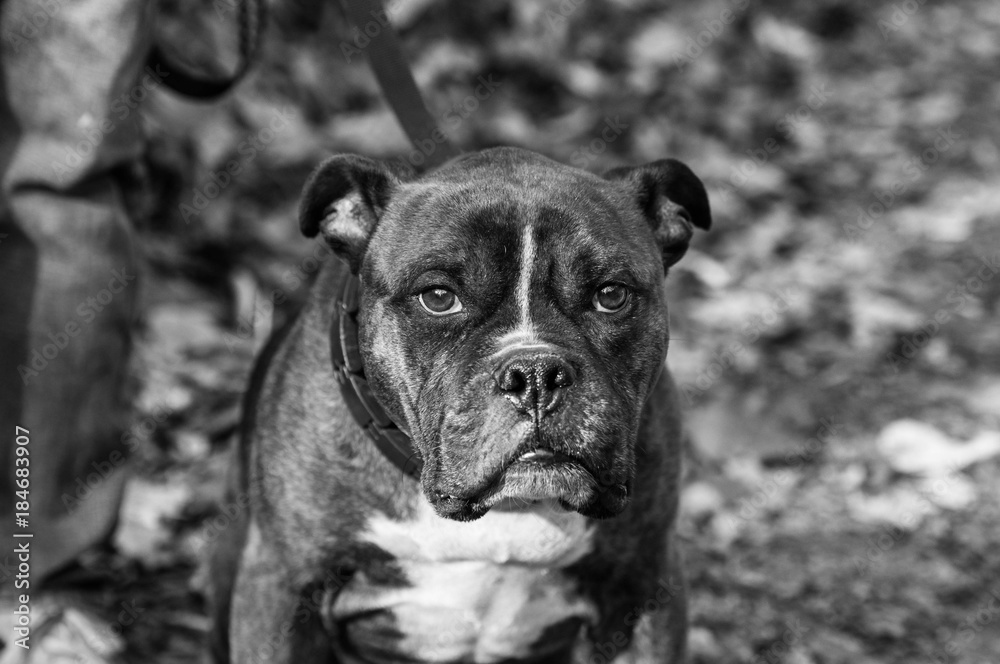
[(345, 352)]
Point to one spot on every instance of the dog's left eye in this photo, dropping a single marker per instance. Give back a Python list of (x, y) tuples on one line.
[(440, 301), (610, 298)]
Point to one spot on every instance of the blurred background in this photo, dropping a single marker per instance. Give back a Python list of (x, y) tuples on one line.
[(836, 336)]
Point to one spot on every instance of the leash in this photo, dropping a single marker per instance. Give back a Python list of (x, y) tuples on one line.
[(384, 53), (252, 16), (396, 80)]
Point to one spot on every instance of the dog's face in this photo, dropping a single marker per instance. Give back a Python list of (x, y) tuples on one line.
[(512, 315)]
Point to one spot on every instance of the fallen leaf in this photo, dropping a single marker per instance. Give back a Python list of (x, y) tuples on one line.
[(143, 530), (916, 448)]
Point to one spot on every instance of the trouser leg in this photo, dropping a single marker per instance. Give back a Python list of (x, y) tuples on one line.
[(67, 265)]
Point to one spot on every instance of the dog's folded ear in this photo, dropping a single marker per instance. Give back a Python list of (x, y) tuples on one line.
[(673, 200), (343, 200)]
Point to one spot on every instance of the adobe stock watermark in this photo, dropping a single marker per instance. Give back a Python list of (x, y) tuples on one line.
[(557, 19), (93, 135), (140, 431), (229, 513), (310, 604), (879, 546), (31, 26), (960, 638), (899, 16), (777, 652), (913, 170), (768, 490), (714, 28), (749, 333), (613, 128), (956, 299), (86, 313), (361, 39), (110, 639), (785, 128), (248, 149), (453, 119), (291, 279), (666, 591), (362, 36)]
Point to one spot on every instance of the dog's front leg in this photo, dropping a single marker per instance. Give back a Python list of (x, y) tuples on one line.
[(275, 619), (660, 636), (659, 632)]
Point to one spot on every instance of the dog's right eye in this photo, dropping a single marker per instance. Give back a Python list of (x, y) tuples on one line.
[(611, 297), (440, 301)]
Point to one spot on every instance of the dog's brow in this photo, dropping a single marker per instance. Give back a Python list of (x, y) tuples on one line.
[(447, 263)]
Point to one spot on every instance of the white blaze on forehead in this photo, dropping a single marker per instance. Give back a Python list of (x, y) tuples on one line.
[(523, 295)]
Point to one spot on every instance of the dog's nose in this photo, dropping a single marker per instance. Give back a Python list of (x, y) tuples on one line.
[(535, 383)]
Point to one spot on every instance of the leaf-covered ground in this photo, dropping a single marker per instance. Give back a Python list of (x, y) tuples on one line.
[(836, 334)]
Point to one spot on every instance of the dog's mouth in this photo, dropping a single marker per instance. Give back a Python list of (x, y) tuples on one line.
[(536, 474)]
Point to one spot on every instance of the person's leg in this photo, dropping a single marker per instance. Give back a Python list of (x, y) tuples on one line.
[(67, 266)]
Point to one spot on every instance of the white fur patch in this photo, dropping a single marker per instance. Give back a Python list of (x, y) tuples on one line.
[(347, 219), (468, 611), (528, 252), (483, 591)]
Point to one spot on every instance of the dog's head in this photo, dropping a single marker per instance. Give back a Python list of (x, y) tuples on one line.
[(512, 314)]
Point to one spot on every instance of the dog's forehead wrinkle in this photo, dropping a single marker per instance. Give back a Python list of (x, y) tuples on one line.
[(456, 235), (459, 193), (434, 226)]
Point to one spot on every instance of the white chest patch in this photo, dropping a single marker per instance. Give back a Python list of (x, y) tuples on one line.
[(483, 591)]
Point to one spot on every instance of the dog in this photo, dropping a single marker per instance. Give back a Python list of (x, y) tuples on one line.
[(466, 448)]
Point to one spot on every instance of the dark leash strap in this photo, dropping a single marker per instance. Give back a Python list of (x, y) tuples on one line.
[(396, 80), (383, 50), (252, 16), (345, 351)]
